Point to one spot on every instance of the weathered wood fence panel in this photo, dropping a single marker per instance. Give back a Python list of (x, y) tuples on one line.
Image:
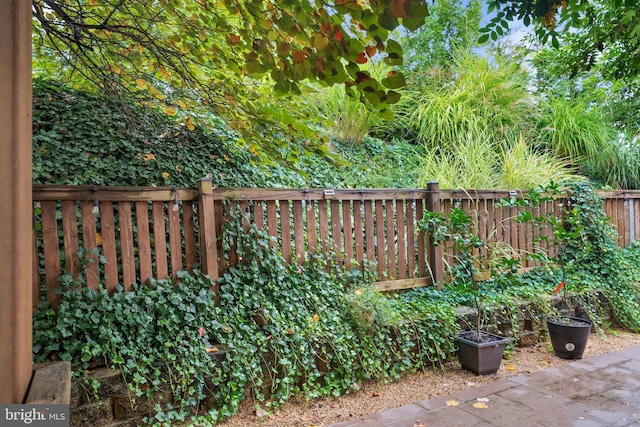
[(156, 232), (121, 225)]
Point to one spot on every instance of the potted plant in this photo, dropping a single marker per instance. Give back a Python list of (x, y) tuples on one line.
[(478, 351), (569, 334)]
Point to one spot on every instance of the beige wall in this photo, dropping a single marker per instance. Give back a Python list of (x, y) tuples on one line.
[(15, 199)]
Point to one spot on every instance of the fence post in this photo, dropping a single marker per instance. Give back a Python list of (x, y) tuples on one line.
[(434, 253), (207, 231), (16, 209)]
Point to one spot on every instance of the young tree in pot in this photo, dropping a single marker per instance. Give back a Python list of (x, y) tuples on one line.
[(568, 333), (478, 351)]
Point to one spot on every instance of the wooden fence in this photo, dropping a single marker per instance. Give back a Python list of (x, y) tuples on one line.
[(156, 232)]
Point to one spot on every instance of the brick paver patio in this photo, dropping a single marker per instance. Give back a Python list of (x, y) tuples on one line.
[(599, 391)]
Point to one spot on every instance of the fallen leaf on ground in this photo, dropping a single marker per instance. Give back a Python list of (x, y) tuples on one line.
[(261, 413), (452, 403), (511, 368), (480, 405), (375, 394), (211, 349)]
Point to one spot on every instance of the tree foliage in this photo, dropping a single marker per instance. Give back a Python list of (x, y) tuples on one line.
[(228, 56), (452, 25), (589, 31)]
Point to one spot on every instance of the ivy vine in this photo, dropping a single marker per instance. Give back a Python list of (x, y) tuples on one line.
[(313, 329)]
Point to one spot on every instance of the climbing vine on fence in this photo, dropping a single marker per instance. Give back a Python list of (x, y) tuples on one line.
[(312, 328)]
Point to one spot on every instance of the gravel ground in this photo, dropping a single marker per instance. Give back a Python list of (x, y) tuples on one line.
[(375, 396)]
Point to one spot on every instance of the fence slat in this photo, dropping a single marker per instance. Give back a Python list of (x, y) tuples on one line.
[(258, 215), (392, 248), (160, 240), (513, 225), (358, 232), (298, 231), (323, 220), (109, 251), (524, 258), (218, 209), (245, 210), (51, 250), (411, 239), (335, 231), (609, 209), (70, 233), (175, 239), (435, 253), (126, 245), (481, 213), (285, 226), (522, 237), (272, 219), (312, 233), (380, 235), (447, 253), (35, 268), (369, 231), (89, 243), (636, 218), (229, 208), (402, 249), (144, 241), (347, 232), (422, 244), (621, 224), (207, 231), (189, 229)]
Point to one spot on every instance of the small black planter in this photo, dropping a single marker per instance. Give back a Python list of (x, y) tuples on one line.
[(569, 336), (481, 358)]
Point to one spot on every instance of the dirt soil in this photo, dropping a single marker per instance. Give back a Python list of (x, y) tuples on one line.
[(375, 396)]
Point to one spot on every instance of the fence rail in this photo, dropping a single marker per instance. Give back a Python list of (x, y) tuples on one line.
[(156, 232)]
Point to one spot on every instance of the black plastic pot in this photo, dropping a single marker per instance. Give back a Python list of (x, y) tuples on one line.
[(481, 358), (569, 336)]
